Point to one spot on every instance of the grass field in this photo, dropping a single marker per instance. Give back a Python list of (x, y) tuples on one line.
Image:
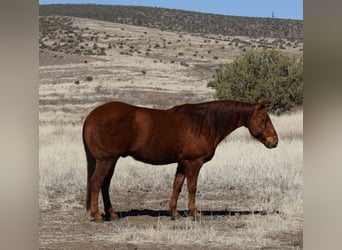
[(251, 197)]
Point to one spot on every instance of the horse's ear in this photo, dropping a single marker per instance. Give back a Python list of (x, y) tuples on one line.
[(262, 104)]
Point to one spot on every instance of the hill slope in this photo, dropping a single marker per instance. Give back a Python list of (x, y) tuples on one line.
[(177, 20)]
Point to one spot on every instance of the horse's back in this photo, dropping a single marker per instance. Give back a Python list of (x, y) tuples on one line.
[(111, 108)]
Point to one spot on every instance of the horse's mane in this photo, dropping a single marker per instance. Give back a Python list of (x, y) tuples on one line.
[(216, 118)]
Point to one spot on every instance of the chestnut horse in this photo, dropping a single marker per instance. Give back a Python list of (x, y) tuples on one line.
[(187, 134)]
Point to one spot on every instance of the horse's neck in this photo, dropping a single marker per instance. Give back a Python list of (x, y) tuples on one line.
[(239, 117), (244, 113)]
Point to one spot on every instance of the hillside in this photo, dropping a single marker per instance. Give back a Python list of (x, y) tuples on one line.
[(177, 20)]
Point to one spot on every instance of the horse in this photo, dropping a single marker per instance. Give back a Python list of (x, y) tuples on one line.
[(187, 134)]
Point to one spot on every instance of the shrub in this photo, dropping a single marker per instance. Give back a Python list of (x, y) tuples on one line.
[(102, 52), (89, 78), (184, 64), (262, 74)]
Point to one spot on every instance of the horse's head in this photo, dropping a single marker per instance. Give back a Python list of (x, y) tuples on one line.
[(260, 126)]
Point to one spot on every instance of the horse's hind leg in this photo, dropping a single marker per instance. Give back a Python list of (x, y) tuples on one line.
[(102, 169), (177, 187), (105, 194)]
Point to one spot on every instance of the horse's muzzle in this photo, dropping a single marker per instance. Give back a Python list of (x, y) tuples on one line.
[(271, 142)]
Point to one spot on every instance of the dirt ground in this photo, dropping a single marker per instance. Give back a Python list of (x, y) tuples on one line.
[(66, 225)]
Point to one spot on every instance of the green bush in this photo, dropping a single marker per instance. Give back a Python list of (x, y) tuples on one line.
[(262, 74)]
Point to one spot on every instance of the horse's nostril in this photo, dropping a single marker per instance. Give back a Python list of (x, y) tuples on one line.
[(272, 142), (276, 142)]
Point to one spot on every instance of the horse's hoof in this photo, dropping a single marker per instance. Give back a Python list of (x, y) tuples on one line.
[(114, 216), (195, 214), (196, 218), (98, 219), (176, 217), (111, 215)]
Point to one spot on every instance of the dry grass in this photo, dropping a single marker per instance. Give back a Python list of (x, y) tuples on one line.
[(243, 175), (253, 235)]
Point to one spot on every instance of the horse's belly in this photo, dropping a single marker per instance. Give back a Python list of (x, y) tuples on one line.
[(156, 157)]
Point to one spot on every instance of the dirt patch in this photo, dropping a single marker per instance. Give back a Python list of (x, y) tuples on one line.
[(146, 224)]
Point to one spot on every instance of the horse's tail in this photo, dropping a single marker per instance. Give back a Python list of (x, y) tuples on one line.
[(91, 163)]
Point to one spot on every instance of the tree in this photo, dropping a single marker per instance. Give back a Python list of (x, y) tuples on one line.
[(262, 74)]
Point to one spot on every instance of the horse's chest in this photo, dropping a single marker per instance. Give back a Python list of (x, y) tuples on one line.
[(197, 148)]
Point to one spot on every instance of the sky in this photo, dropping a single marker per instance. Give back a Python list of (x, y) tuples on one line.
[(288, 9)]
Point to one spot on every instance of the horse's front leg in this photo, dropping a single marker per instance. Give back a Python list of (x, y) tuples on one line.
[(177, 187), (192, 169)]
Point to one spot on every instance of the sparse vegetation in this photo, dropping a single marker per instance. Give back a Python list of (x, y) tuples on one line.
[(74, 40), (181, 21)]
